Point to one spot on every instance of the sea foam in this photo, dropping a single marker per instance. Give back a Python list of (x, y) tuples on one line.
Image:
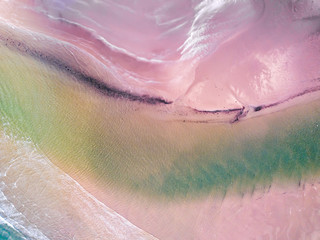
[(39, 201)]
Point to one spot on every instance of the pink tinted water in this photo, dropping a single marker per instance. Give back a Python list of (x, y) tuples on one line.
[(208, 55)]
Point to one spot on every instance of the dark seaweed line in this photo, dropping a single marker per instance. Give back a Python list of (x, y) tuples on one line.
[(242, 112), (231, 110), (95, 83), (110, 91), (310, 90), (237, 111)]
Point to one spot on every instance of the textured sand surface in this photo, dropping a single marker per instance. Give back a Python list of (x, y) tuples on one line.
[(172, 119)]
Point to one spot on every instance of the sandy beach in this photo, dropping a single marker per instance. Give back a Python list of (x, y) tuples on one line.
[(106, 141), (278, 66)]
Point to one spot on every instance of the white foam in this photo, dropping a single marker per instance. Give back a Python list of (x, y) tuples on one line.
[(42, 202)]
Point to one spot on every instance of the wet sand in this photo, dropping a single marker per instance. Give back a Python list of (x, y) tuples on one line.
[(278, 66), (39, 201), (125, 158), (283, 211), (171, 170)]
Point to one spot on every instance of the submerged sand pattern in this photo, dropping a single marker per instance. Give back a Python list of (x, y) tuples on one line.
[(39, 201), (189, 119)]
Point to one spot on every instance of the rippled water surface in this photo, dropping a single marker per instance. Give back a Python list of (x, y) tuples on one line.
[(159, 119)]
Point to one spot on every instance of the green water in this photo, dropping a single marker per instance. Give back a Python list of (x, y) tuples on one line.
[(113, 142)]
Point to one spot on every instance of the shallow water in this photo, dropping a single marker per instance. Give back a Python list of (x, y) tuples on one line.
[(172, 171), (204, 55), (123, 145), (154, 170), (39, 201)]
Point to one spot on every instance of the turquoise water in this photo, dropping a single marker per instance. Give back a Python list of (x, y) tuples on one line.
[(9, 233)]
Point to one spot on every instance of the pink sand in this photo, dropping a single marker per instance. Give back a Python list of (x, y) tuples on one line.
[(208, 55), (283, 212)]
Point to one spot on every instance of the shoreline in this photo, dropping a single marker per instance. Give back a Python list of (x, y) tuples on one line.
[(65, 208), (206, 216), (171, 170), (87, 60), (164, 109), (149, 152)]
